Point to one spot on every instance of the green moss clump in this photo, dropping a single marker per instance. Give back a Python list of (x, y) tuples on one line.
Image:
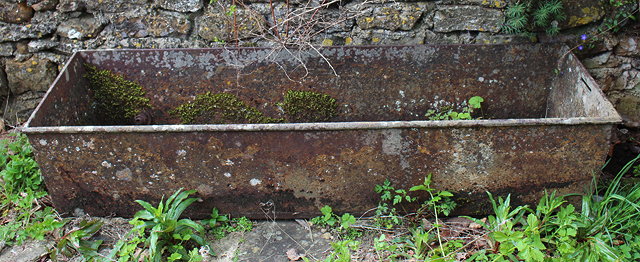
[(220, 108), (117, 101), (307, 106)]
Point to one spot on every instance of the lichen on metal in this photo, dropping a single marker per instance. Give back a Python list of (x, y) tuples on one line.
[(554, 116)]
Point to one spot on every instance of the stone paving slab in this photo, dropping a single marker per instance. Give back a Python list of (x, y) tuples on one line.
[(270, 241)]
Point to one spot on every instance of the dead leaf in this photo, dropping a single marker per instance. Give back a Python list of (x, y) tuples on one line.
[(293, 255), (481, 243), (426, 224), (304, 224), (459, 221), (475, 225), (326, 236), (461, 256)]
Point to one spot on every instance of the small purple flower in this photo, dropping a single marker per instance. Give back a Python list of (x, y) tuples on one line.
[(583, 37), (580, 47)]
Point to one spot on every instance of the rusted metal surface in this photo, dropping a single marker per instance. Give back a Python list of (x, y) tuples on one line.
[(542, 130)]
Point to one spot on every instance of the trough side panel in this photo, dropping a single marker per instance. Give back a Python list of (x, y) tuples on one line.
[(68, 102), (294, 174), (575, 94)]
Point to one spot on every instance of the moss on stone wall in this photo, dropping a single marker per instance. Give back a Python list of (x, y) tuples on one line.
[(117, 100)]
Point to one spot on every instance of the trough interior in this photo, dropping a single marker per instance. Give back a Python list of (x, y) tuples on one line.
[(369, 83)]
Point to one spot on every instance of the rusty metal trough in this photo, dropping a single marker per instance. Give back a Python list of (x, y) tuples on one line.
[(546, 125)]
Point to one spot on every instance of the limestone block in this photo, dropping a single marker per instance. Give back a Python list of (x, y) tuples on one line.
[(71, 5), (83, 27), (181, 5), (42, 24), (215, 25), (467, 18), (628, 46), (13, 12), (605, 59), (112, 5), (485, 3), (629, 80), (19, 109), (44, 5), (393, 16), (156, 24), (581, 12), (628, 106), (6, 49), (40, 45), (35, 74)]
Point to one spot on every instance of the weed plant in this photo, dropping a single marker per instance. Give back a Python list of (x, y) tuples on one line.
[(526, 16), (159, 233), (221, 225), (605, 229), (24, 215), (621, 11), (78, 241), (387, 215), (418, 245), (340, 224), (448, 113)]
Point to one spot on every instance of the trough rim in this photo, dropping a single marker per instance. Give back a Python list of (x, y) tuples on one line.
[(327, 126), (324, 126)]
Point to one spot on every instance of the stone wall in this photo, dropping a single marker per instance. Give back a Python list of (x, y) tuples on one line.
[(37, 36)]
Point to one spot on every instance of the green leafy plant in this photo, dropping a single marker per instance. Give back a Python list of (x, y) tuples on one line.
[(448, 113), (343, 224), (328, 218), (439, 201), (605, 229), (341, 251), (25, 219), (418, 243), (221, 225), (77, 241), (386, 213), (618, 14), (23, 216), (159, 232), (20, 171), (609, 219), (232, 10), (385, 248), (523, 17), (621, 11), (516, 17)]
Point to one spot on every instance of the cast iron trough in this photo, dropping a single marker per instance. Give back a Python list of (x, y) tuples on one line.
[(545, 125)]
